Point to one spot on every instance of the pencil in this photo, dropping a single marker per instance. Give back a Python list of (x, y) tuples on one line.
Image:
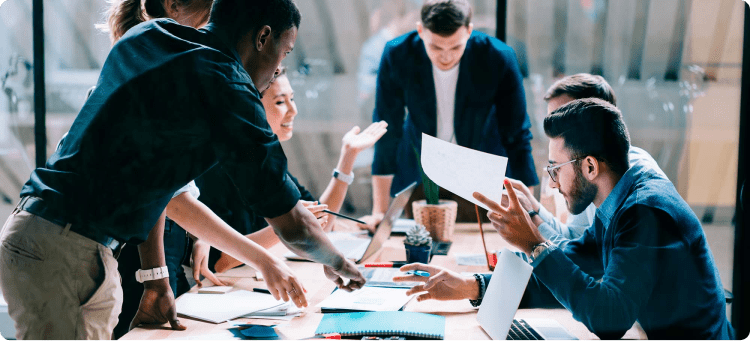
[(345, 217)]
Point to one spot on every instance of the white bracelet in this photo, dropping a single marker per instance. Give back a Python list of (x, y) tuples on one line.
[(347, 178), (151, 274)]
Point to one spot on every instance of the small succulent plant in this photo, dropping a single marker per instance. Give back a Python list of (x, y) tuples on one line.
[(418, 236)]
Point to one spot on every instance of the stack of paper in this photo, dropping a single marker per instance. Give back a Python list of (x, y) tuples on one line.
[(221, 308), (365, 299), (285, 312)]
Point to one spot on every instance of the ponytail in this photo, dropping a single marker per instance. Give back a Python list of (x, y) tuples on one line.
[(122, 16)]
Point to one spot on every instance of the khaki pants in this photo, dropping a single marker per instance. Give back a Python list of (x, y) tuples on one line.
[(58, 284)]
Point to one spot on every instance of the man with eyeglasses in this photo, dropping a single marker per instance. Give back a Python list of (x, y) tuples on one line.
[(645, 258), (565, 90)]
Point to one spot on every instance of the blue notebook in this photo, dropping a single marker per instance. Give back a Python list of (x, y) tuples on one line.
[(384, 323)]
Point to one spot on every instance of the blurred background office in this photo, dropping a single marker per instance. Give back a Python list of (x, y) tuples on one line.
[(675, 65)]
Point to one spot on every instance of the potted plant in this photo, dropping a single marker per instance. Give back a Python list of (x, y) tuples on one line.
[(438, 216), (418, 245)]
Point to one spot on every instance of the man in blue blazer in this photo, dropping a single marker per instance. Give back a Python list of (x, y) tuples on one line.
[(447, 81)]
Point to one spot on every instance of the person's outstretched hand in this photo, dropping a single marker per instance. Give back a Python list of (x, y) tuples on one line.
[(199, 260), (157, 305), (282, 283), (317, 210), (442, 285), (356, 141), (372, 222), (512, 222), (347, 271)]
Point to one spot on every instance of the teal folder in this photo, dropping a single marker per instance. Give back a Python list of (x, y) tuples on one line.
[(384, 323)]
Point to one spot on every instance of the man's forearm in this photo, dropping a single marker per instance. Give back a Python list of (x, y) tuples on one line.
[(381, 192), (152, 250), (299, 230)]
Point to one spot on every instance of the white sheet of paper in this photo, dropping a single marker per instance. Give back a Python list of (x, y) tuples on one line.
[(462, 170), (367, 299), (221, 308), (471, 259)]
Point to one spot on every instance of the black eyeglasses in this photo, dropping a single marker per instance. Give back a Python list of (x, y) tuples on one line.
[(552, 170)]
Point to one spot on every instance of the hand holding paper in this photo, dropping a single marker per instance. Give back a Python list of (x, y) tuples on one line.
[(463, 171), (512, 222)]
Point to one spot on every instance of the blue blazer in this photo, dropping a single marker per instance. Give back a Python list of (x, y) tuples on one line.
[(490, 107)]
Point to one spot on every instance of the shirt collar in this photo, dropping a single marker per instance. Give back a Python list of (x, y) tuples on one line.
[(615, 198)]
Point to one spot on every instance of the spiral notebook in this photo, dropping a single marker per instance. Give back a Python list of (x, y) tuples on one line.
[(384, 323)]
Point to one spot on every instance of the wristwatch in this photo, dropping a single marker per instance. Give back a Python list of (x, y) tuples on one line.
[(539, 251), (151, 274), (347, 178)]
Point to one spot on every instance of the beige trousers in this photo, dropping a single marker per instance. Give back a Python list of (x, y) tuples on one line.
[(58, 284)]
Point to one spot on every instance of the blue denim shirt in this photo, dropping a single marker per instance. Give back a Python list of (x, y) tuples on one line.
[(560, 233), (644, 259)]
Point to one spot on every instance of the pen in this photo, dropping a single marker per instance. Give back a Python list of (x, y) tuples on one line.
[(345, 217), (418, 273), (331, 336), (261, 290), (385, 265)]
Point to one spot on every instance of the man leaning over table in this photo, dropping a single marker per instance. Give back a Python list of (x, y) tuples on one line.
[(171, 102), (452, 82), (645, 258), (566, 89)]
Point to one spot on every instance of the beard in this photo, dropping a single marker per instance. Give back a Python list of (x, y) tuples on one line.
[(582, 193)]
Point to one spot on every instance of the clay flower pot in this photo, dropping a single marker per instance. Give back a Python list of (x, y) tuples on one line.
[(440, 219)]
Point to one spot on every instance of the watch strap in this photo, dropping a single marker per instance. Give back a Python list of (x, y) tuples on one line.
[(151, 274), (482, 288), (540, 251), (339, 175)]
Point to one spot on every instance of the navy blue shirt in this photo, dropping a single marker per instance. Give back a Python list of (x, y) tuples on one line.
[(218, 194), (489, 113), (171, 102), (644, 259)]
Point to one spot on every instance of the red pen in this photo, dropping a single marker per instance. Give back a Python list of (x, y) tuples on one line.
[(385, 265), (331, 336)]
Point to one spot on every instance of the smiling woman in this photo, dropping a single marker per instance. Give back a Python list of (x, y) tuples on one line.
[(278, 100)]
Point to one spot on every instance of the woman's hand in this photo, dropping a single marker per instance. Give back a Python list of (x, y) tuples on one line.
[(356, 141), (282, 283), (199, 262), (317, 210)]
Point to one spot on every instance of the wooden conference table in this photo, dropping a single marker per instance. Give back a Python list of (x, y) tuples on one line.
[(460, 324)]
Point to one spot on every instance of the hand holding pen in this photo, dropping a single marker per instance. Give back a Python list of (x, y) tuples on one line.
[(438, 283)]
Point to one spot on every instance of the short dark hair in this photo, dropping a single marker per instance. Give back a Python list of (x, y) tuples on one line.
[(594, 127), (582, 85), (239, 17), (445, 17)]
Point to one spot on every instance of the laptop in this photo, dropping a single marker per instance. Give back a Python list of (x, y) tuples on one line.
[(358, 249), (501, 301)]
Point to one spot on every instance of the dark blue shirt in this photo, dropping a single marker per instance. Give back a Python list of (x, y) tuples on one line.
[(171, 102), (218, 194), (644, 259), (489, 113)]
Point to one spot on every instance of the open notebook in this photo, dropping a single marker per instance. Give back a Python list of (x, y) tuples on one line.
[(384, 323)]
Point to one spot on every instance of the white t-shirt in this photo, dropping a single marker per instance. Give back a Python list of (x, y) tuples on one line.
[(445, 94)]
